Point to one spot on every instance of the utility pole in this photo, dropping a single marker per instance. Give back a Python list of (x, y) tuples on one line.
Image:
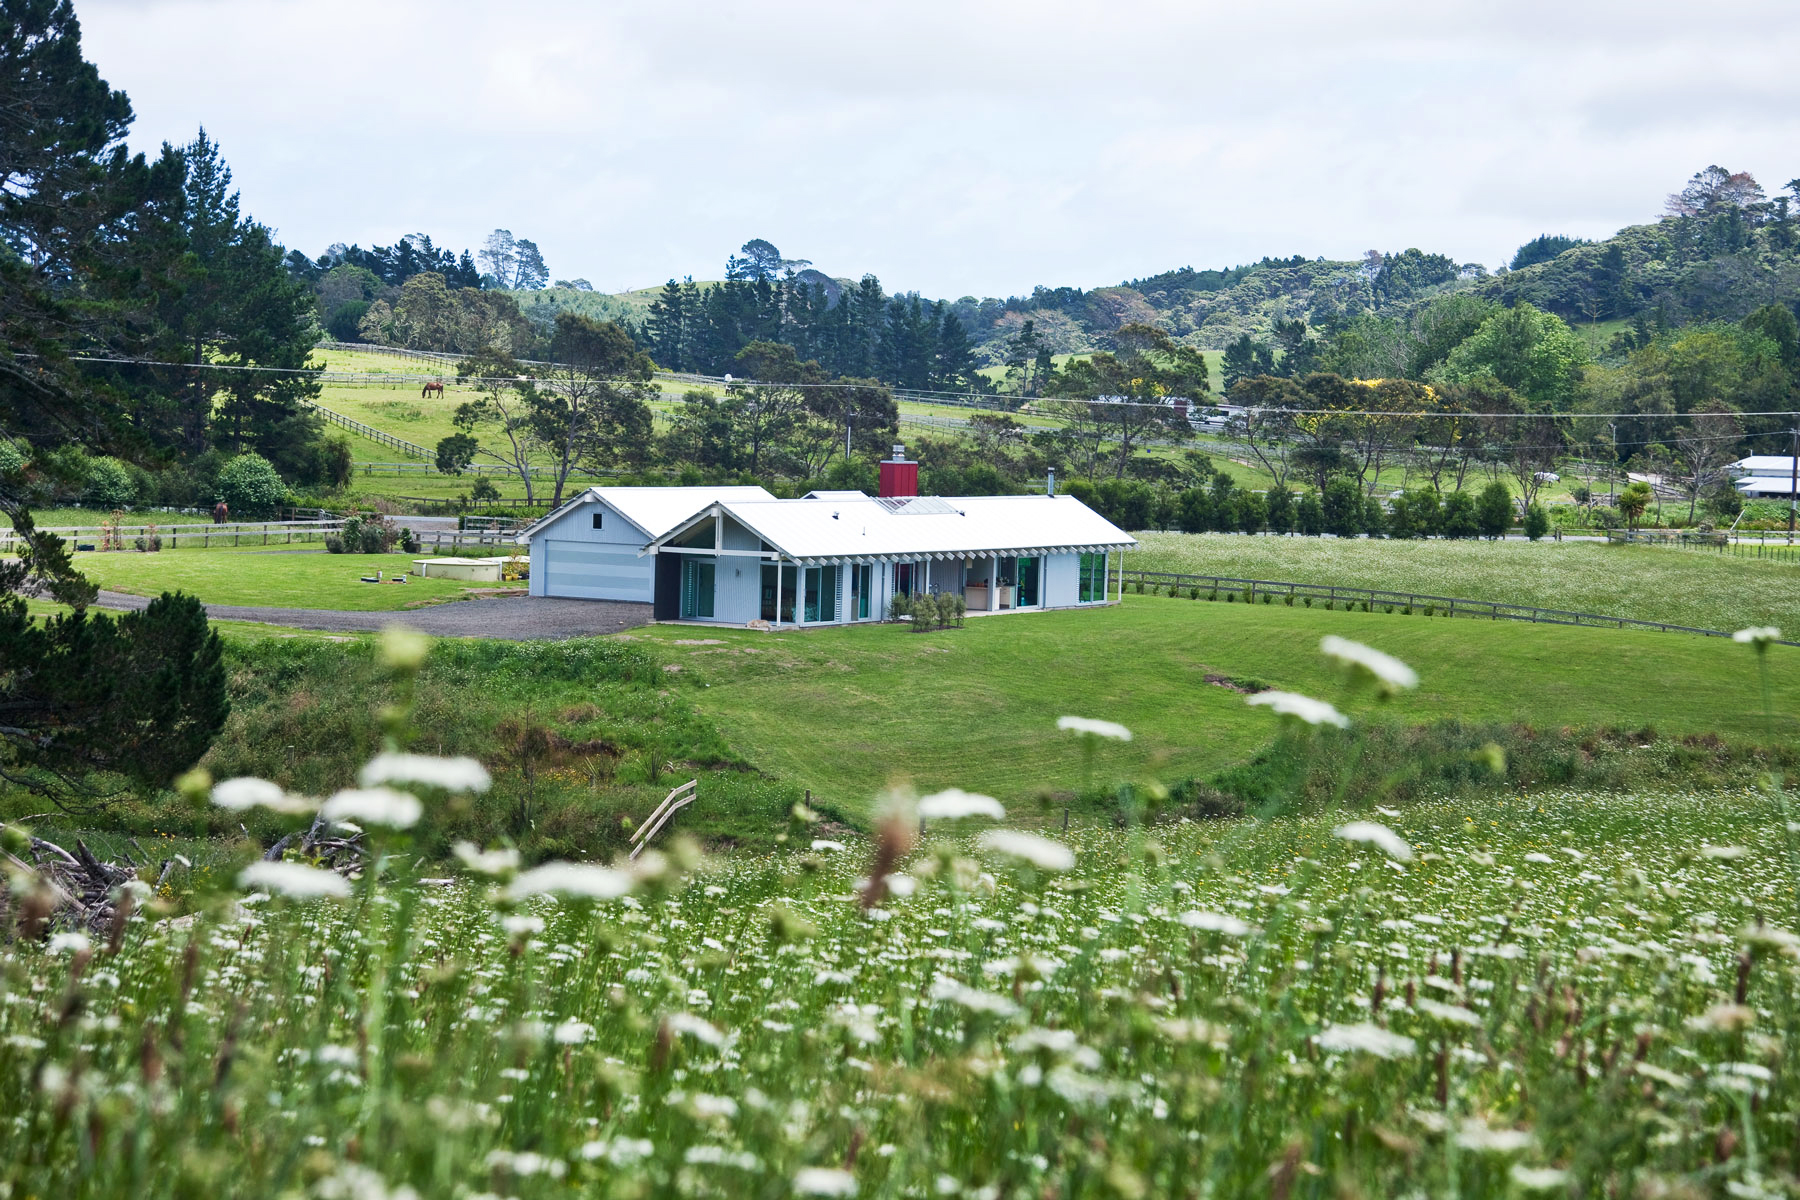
[(1793, 482), (1612, 476)]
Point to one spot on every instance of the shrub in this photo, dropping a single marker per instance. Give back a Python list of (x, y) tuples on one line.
[(334, 543), (1289, 600), (484, 491), (1308, 600), (899, 607), (249, 485), (1431, 610), (1406, 610), (1249, 596), (1193, 593), (1140, 587), (1494, 510), (1537, 522), (1231, 597), (1213, 595), (1268, 598), (109, 485)]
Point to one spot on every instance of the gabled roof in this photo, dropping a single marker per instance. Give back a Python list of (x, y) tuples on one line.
[(655, 510), (822, 530), (1763, 464)]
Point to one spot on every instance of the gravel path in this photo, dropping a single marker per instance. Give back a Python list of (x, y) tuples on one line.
[(511, 618)]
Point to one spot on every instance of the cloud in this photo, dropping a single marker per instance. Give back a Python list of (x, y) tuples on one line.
[(959, 148)]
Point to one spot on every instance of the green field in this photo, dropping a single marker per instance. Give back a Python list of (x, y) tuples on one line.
[(280, 579), (846, 711), (1648, 583)]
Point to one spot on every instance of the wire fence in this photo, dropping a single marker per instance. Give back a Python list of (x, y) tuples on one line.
[(150, 535), (1276, 591)]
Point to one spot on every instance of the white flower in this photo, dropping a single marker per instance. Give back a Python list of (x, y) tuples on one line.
[(826, 845), (573, 1033), (1476, 1136), (249, 792), (76, 942), (1757, 635), (486, 862), (973, 999), (1040, 852), (1377, 835), (698, 1028), (1293, 704), (954, 803), (1215, 923), (824, 1181), (451, 774), (1539, 1179), (293, 880), (1105, 729), (353, 1181), (583, 880), (1722, 852), (374, 806), (1384, 669), (620, 1152), (1449, 1014), (522, 924), (1367, 1038)]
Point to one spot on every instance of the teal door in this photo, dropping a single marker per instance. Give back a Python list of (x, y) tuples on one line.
[(696, 590), (821, 593), (1027, 595)]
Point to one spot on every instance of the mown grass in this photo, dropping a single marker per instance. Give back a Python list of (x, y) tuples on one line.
[(300, 578), (1648, 583), (847, 710)]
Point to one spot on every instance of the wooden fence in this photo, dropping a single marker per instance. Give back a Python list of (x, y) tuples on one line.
[(237, 533), (1274, 591), (372, 433), (1735, 545)]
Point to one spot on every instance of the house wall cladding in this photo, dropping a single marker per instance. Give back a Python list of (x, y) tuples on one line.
[(572, 558)]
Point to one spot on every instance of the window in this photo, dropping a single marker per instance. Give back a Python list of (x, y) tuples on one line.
[(862, 582), (599, 519), (903, 579), (1092, 578)]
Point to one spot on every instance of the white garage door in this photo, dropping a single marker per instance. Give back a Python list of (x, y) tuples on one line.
[(597, 571)]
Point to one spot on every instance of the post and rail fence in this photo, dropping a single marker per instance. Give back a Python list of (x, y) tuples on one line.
[(1275, 591)]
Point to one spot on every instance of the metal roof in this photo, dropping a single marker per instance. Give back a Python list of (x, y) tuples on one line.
[(866, 529), (1764, 464), (655, 510)]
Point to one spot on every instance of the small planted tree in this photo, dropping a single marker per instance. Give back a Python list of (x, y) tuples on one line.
[(1634, 498), (249, 485), (1494, 510), (1537, 522)]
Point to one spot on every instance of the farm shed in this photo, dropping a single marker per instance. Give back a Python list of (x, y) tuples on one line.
[(739, 555)]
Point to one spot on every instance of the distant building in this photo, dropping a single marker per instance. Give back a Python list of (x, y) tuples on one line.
[(1763, 476), (736, 555)]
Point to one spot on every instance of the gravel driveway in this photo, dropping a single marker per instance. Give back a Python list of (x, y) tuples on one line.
[(512, 618)]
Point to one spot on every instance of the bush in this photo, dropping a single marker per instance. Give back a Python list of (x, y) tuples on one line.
[(334, 543), (1537, 522), (1457, 517), (250, 487), (1494, 511), (1213, 595), (1289, 600), (109, 485), (899, 607)]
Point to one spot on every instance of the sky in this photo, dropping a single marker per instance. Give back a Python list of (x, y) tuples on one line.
[(976, 147)]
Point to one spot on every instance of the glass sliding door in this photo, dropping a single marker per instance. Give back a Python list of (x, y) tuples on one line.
[(696, 590), (821, 593), (1027, 595), (862, 582), (1093, 579)]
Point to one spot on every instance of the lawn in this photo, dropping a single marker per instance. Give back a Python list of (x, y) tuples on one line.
[(847, 710), (278, 579), (1684, 587), (64, 518)]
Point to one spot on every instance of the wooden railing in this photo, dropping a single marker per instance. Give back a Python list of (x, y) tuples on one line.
[(1275, 591), (238, 533), (673, 803)]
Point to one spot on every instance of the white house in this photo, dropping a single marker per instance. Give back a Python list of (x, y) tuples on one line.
[(737, 554), (1763, 475)]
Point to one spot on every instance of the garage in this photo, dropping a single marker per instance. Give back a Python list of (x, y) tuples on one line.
[(596, 571)]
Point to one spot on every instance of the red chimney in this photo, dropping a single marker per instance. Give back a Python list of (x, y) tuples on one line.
[(899, 477)]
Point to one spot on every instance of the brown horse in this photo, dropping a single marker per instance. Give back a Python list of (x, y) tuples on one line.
[(435, 385)]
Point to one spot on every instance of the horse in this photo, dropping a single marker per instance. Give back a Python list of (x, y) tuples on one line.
[(436, 385)]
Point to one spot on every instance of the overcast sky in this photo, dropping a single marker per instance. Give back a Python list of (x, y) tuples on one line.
[(969, 147)]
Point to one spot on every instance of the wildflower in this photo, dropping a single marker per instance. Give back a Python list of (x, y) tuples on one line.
[(620, 1152), (236, 795), (1105, 729), (1762, 938), (1474, 1135), (75, 942), (404, 649), (973, 999), (581, 880), (1757, 635), (698, 1028), (293, 880), (1214, 922), (953, 803), (1366, 1038), (826, 845), (1040, 852), (353, 1181), (486, 862), (824, 1181), (374, 806), (1449, 1014), (1539, 1179), (1388, 672), (1723, 1018), (451, 774), (573, 1033), (1293, 704), (1377, 835)]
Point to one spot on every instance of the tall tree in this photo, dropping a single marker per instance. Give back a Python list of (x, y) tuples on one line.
[(1131, 395), (593, 405), (499, 254), (505, 402)]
